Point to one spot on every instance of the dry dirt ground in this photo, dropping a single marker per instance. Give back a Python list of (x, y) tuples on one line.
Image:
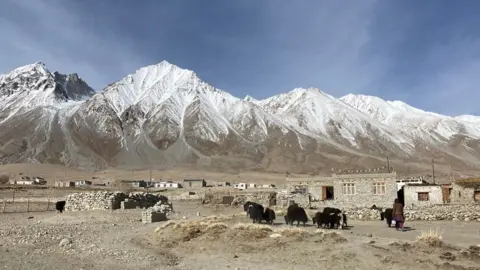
[(118, 240)]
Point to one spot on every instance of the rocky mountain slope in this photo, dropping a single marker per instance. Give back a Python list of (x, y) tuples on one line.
[(163, 115)]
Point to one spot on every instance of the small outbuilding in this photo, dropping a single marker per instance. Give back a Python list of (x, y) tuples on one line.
[(167, 184), (466, 191), (83, 183), (240, 186), (64, 184), (139, 184), (194, 183), (422, 194)]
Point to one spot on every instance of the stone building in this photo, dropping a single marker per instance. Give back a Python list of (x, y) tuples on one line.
[(83, 183), (194, 183), (64, 184), (422, 194), (362, 188), (466, 191), (139, 184), (167, 184)]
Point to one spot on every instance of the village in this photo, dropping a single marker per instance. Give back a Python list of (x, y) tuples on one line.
[(345, 188), (151, 185), (152, 220)]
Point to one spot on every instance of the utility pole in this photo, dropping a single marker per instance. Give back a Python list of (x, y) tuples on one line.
[(388, 165), (433, 171), (150, 179)]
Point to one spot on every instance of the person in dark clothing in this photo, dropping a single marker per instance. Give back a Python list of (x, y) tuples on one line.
[(398, 215)]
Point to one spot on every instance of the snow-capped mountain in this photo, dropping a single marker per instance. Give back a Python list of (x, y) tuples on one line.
[(164, 115)]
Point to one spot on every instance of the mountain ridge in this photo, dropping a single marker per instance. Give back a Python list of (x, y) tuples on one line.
[(165, 115)]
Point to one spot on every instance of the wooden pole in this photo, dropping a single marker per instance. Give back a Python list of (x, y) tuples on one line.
[(388, 165), (4, 205), (28, 205), (433, 170), (13, 196), (48, 204)]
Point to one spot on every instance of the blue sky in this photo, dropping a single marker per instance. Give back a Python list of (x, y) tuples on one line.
[(426, 53)]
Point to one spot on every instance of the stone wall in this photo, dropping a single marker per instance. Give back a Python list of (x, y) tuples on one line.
[(461, 194), (432, 213), (104, 200), (284, 198), (411, 195)]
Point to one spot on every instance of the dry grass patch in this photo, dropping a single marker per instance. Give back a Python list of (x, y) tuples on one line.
[(218, 218), (292, 231), (188, 230), (431, 238), (248, 231)]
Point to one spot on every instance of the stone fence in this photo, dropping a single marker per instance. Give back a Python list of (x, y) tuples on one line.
[(104, 200), (432, 213)]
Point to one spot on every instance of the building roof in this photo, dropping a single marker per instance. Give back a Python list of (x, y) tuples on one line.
[(468, 182), (422, 185), (193, 180)]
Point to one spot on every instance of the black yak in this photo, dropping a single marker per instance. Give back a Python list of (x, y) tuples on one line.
[(255, 212), (269, 215), (336, 211), (296, 213), (388, 215), (247, 205), (60, 206), (320, 219)]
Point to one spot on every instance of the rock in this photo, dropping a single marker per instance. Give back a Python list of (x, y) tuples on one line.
[(467, 219), (198, 214), (65, 241)]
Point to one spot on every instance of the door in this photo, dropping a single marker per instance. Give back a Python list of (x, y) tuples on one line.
[(324, 193), (476, 196), (446, 194)]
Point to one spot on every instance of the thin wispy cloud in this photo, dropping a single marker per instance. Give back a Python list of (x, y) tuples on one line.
[(425, 53)]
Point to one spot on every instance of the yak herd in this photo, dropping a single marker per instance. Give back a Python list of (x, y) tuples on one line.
[(331, 218)]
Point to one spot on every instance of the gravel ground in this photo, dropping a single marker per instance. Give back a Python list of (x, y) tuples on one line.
[(118, 240)]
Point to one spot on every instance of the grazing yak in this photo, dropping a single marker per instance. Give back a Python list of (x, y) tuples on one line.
[(343, 217), (60, 206), (296, 213), (255, 212), (328, 219), (388, 215), (269, 215), (247, 205)]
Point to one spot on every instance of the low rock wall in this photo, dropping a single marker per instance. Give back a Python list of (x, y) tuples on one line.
[(432, 213), (104, 200)]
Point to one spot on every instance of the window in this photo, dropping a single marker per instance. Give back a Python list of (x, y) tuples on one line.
[(423, 196), (379, 188), (349, 189)]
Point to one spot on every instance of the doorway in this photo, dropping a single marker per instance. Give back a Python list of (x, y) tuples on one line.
[(476, 195), (327, 193), (400, 196)]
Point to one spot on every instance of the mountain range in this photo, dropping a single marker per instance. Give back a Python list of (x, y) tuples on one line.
[(163, 116)]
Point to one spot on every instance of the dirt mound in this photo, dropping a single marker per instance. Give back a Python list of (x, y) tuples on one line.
[(215, 228), (247, 232)]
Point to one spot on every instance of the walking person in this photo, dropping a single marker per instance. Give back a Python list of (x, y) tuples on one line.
[(398, 216)]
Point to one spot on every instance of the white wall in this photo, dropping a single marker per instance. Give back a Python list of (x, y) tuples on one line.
[(411, 195)]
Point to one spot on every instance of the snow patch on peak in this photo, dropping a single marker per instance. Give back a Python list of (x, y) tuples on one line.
[(27, 70), (469, 118), (250, 99)]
